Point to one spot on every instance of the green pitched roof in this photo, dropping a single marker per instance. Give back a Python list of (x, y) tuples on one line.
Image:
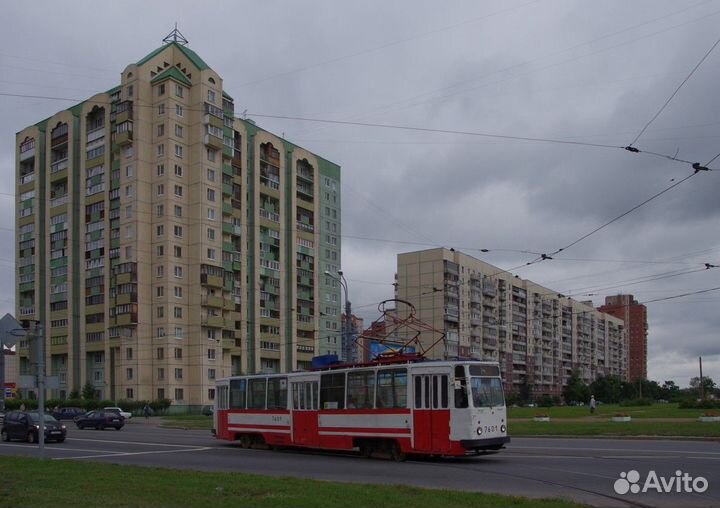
[(189, 53), (173, 73)]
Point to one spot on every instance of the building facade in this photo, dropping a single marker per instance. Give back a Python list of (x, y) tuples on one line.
[(634, 314), (164, 242), (538, 336)]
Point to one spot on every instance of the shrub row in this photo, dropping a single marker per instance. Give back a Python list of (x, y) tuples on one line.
[(699, 404), (158, 407), (637, 402)]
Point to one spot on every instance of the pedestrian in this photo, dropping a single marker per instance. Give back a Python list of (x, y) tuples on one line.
[(22, 406), (593, 404), (146, 411)]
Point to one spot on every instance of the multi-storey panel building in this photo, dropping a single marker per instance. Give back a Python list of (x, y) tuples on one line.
[(164, 243), (538, 336)]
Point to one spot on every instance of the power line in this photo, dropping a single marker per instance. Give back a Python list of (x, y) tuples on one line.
[(662, 108)]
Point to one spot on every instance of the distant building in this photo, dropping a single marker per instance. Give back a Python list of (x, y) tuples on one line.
[(356, 328), (634, 314), (538, 336)]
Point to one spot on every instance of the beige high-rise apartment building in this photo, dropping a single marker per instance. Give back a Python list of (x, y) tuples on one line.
[(538, 336), (163, 242)]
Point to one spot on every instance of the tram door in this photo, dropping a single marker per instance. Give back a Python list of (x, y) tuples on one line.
[(305, 413), (432, 413)]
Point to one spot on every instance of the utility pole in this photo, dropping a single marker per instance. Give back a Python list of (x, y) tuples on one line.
[(40, 338), (702, 388), (347, 333)]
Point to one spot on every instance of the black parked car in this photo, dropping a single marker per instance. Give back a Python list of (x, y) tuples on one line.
[(100, 419), (25, 425), (68, 413)]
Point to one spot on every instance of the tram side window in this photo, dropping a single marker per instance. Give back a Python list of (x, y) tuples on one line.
[(332, 391), (360, 389), (237, 393), (256, 393), (461, 395), (391, 388), (277, 393)]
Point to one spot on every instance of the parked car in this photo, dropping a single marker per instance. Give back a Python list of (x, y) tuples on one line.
[(68, 413), (99, 419), (208, 410), (119, 411), (26, 425)]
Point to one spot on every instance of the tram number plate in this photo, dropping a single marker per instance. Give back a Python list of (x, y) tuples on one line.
[(490, 428), (276, 419)]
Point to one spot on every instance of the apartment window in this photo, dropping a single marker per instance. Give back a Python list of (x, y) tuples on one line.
[(211, 194), (160, 291), (178, 353), (178, 211), (178, 130), (178, 170), (211, 213), (177, 251), (160, 353), (179, 272), (211, 373), (160, 150), (161, 109), (160, 169), (160, 393), (211, 154), (128, 252), (211, 393), (178, 90), (178, 332), (179, 394), (178, 110), (129, 393), (159, 271), (160, 251), (129, 373), (177, 312), (129, 171), (211, 254), (130, 91), (160, 210), (161, 373), (211, 175), (178, 231), (211, 234), (129, 353), (178, 292), (161, 129), (128, 191), (161, 89), (211, 354), (161, 189), (160, 312), (178, 191), (211, 96), (178, 151), (160, 332), (178, 373), (128, 212), (128, 231)]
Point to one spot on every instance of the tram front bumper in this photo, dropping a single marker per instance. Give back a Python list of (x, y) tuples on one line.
[(493, 443)]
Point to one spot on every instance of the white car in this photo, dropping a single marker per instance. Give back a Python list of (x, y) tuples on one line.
[(119, 411)]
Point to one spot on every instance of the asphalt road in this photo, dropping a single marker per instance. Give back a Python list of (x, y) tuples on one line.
[(583, 470)]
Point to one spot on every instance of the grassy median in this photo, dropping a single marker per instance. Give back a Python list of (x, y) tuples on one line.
[(31, 482)]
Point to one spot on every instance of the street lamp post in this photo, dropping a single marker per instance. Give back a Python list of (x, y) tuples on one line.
[(39, 337), (347, 334)]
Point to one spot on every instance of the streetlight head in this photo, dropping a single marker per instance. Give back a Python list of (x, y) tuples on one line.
[(340, 272)]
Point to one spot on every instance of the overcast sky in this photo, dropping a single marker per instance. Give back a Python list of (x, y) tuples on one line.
[(589, 72)]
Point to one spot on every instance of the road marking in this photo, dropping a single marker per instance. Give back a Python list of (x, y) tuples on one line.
[(143, 443), (127, 454)]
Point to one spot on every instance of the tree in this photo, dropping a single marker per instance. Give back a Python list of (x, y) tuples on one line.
[(525, 391), (576, 390), (88, 391), (607, 389), (669, 390), (708, 386)]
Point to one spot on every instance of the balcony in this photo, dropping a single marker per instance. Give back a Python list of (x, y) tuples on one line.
[(212, 321), (273, 183), (306, 228), (59, 201), (213, 141), (212, 301), (27, 154), (271, 216), (59, 165), (27, 178)]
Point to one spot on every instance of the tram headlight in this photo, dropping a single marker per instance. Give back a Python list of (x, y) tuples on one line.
[(503, 428), (479, 431)]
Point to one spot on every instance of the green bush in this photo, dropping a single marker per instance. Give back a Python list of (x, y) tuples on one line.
[(699, 404), (637, 402), (14, 404)]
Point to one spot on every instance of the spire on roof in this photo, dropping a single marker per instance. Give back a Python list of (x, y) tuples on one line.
[(175, 36)]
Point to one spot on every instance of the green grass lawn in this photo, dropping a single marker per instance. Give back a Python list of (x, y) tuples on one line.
[(30, 482), (187, 422), (608, 410)]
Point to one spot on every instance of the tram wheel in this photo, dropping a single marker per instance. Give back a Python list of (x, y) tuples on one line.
[(245, 441), (366, 450), (396, 453)]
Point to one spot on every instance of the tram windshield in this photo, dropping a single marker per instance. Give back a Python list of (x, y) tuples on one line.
[(487, 391)]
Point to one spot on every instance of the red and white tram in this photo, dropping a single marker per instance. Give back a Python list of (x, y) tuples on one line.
[(445, 408)]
